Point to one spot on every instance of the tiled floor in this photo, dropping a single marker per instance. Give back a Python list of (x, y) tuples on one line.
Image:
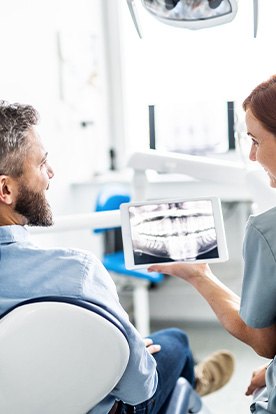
[(208, 337)]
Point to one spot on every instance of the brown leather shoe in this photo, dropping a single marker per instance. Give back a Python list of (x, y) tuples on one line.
[(213, 372)]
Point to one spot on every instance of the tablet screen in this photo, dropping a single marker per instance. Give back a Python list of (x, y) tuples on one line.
[(173, 231)]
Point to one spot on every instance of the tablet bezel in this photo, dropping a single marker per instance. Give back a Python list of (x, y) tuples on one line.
[(219, 227)]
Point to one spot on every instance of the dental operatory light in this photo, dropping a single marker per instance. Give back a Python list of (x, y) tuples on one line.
[(190, 14)]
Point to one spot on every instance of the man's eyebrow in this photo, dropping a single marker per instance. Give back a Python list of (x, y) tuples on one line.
[(250, 135)]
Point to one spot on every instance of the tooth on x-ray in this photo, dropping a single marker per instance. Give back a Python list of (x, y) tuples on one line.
[(179, 231)]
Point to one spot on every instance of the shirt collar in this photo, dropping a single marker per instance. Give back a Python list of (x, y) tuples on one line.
[(12, 234)]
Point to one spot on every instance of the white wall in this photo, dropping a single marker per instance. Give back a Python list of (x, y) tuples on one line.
[(52, 57)]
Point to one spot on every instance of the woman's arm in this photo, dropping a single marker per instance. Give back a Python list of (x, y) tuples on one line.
[(225, 304)]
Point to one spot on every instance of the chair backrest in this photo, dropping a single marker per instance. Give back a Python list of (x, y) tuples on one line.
[(110, 198), (58, 358)]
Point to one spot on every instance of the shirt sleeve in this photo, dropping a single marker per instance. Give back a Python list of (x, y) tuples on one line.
[(258, 308), (140, 379)]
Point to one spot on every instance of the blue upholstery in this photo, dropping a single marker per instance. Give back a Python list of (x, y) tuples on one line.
[(108, 199), (99, 310), (115, 263)]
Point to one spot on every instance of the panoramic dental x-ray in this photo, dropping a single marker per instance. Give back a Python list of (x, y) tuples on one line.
[(173, 231)]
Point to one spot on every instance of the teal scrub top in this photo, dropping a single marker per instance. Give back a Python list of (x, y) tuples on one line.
[(258, 299)]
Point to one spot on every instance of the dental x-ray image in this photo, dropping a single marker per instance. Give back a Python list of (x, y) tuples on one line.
[(173, 231)]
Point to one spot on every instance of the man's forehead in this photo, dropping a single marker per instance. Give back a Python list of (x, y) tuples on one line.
[(36, 148), (34, 137)]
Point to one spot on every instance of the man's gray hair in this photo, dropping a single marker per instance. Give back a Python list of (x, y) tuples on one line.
[(15, 122)]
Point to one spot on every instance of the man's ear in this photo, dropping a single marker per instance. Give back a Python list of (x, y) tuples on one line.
[(7, 189)]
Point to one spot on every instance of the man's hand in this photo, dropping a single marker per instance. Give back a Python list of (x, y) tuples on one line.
[(257, 380), (151, 347), (184, 271)]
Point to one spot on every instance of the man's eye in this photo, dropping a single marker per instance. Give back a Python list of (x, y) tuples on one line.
[(255, 143)]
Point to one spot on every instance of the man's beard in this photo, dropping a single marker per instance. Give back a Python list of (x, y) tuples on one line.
[(34, 207)]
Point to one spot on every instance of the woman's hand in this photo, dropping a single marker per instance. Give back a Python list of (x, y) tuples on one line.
[(257, 380), (184, 271), (151, 347)]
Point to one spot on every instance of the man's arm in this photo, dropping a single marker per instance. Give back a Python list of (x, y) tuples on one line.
[(140, 378), (225, 304)]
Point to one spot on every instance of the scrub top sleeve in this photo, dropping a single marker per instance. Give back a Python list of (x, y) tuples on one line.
[(258, 308)]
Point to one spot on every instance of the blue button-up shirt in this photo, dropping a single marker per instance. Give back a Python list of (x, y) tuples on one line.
[(28, 271)]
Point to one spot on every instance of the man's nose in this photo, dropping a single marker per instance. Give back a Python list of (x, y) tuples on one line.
[(50, 172)]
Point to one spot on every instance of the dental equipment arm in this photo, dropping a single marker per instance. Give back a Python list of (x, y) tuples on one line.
[(200, 168), (72, 222), (134, 15)]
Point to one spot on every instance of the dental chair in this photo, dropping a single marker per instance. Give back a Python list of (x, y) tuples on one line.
[(139, 280), (60, 355)]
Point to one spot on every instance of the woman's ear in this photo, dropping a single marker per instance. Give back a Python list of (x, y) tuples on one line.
[(7, 190)]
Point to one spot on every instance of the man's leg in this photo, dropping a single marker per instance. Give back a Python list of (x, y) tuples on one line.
[(173, 361)]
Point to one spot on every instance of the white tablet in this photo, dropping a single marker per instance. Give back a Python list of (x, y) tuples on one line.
[(175, 230)]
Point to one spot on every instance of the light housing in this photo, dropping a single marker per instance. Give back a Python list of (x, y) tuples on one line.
[(189, 14)]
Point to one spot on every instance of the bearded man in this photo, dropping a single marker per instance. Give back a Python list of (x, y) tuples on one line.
[(28, 271)]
